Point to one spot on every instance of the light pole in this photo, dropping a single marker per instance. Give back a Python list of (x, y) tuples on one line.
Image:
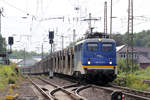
[(24, 57), (62, 42), (42, 50)]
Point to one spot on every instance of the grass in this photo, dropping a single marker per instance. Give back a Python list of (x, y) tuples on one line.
[(134, 79), (143, 74), (8, 75)]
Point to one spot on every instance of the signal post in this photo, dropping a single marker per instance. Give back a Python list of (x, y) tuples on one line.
[(51, 37)]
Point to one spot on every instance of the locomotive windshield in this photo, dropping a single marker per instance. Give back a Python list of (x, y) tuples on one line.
[(92, 46), (107, 47)]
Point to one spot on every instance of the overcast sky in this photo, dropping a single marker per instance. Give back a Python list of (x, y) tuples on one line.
[(23, 19)]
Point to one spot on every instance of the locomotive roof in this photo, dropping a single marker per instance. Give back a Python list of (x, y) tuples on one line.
[(96, 40)]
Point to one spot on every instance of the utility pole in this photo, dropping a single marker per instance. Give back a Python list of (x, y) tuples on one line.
[(130, 32), (105, 18), (110, 19), (89, 22), (74, 35), (24, 57), (42, 50), (0, 19)]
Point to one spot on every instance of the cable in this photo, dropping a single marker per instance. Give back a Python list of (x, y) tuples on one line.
[(23, 11)]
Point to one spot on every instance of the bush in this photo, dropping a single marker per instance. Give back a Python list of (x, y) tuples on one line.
[(122, 66), (8, 75), (139, 85), (131, 81), (11, 80)]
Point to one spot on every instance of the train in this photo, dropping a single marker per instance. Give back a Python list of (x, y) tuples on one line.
[(91, 58)]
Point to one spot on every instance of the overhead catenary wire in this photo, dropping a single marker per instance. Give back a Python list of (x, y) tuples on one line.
[(19, 9)]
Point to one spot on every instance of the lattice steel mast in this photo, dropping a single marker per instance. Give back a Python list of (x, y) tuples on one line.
[(130, 32), (105, 18)]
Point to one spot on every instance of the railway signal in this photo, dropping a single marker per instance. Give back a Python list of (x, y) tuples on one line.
[(51, 37), (10, 42)]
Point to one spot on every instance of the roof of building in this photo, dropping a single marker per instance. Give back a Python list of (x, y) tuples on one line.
[(118, 48), (27, 62), (142, 49), (124, 49), (143, 59), (15, 60)]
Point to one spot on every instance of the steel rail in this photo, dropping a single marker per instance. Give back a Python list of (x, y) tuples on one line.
[(127, 93), (63, 88), (41, 90), (136, 92), (80, 89)]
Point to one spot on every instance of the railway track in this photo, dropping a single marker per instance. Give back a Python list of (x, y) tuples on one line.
[(43, 91), (144, 95), (55, 92), (74, 91), (127, 93)]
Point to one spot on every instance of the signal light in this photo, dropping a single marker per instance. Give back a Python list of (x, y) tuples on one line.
[(10, 40), (51, 35), (51, 41)]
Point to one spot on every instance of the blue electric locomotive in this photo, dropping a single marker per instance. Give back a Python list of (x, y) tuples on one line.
[(93, 58), (96, 59)]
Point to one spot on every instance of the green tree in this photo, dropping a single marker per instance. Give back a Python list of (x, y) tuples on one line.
[(141, 39), (2, 44), (20, 54)]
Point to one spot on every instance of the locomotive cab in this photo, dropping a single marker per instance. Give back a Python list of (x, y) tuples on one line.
[(99, 58), (99, 53)]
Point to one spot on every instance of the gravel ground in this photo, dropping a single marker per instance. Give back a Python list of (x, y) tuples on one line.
[(38, 81), (95, 94), (3, 94), (26, 91), (59, 81)]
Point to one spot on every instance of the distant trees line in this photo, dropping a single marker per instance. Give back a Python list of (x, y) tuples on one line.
[(141, 39), (20, 54)]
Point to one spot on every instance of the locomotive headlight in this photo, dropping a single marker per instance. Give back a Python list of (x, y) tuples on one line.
[(99, 40), (110, 62), (89, 62)]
